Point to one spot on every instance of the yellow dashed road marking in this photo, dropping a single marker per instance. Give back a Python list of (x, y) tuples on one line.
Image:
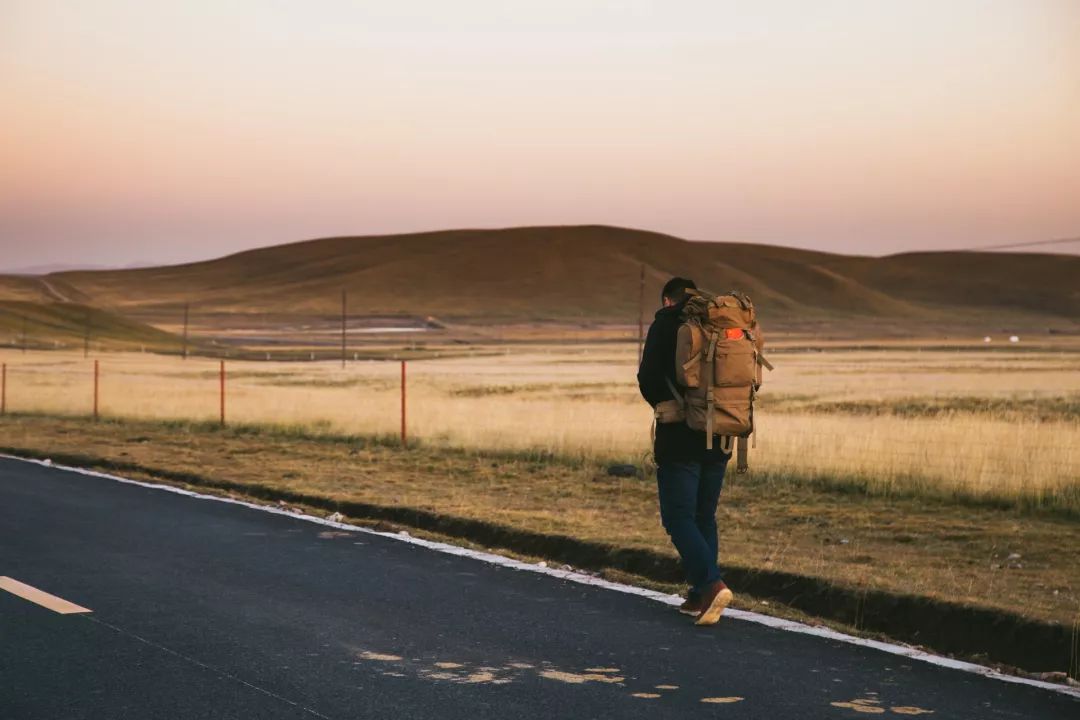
[(667, 687), (909, 710), (647, 696), (44, 599), (722, 700)]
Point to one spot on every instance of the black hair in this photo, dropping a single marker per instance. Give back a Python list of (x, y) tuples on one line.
[(675, 289)]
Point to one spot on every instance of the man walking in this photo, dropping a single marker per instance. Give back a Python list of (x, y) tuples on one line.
[(689, 476)]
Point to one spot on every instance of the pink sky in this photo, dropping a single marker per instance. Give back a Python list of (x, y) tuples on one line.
[(158, 132)]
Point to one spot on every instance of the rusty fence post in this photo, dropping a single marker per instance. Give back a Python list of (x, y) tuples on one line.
[(97, 384), (404, 437), (222, 376)]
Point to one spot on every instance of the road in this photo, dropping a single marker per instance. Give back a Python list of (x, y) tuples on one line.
[(203, 609), (52, 292)]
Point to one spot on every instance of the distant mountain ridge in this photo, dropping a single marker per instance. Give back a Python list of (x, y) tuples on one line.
[(586, 274), (54, 268)]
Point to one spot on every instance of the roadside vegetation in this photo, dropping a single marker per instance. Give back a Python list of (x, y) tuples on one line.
[(994, 427)]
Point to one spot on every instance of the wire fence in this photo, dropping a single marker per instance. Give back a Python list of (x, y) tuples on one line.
[(575, 403), (91, 394)]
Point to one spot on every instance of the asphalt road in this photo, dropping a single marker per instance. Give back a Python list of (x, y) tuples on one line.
[(203, 609)]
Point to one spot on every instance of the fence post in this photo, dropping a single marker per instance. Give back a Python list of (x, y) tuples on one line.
[(3, 389), (187, 308), (222, 393), (404, 438), (97, 375), (344, 328)]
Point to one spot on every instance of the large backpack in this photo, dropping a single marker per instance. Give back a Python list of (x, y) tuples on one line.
[(718, 360)]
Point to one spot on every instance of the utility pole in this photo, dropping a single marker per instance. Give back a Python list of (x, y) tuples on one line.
[(641, 314), (86, 334), (344, 347), (187, 308)]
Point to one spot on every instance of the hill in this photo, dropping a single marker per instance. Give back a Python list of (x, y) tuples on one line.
[(52, 325), (582, 273)]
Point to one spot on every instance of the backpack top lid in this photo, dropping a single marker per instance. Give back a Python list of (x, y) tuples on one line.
[(733, 310)]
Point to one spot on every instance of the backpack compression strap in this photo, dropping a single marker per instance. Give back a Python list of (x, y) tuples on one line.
[(710, 358), (727, 442)]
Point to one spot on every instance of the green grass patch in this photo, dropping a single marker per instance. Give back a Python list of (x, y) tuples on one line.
[(1041, 409)]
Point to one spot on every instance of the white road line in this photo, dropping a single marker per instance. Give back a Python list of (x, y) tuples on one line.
[(747, 616), (40, 597)]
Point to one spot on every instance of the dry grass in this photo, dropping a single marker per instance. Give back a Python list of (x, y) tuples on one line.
[(897, 421)]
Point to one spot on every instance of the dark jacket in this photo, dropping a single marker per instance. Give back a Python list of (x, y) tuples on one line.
[(675, 442)]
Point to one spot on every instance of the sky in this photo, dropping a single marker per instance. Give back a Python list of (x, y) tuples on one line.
[(141, 132)]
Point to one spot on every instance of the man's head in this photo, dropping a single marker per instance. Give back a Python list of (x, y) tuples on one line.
[(674, 291)]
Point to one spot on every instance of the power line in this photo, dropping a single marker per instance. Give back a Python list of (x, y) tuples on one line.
[(1035, 243)]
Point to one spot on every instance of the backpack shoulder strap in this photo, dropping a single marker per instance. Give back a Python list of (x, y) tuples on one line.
[(675, 392)]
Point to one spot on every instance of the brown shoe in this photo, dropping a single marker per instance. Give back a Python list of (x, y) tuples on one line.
[(691, 606), (715, 598)]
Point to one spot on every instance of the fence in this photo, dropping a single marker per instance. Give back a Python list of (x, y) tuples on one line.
[(222, 393), (582, 402)]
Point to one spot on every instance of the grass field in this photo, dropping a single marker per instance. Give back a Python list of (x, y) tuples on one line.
[(985, 425)]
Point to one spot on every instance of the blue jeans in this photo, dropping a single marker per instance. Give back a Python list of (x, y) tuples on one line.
[(689, 493)]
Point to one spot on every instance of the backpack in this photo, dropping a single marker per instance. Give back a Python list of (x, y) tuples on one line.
[(718, 360)]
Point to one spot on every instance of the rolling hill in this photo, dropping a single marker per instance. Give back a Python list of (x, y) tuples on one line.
[(51, 324), (582, 274)]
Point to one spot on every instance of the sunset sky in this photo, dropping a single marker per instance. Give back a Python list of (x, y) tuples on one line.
[(137, 132)]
